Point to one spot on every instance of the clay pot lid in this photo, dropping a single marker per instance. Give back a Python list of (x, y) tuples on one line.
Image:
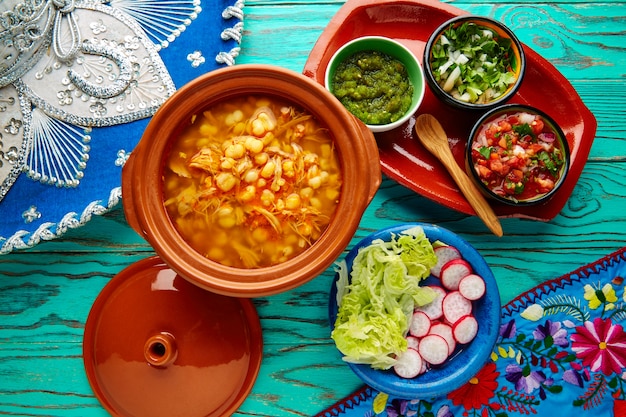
[(157, 345)]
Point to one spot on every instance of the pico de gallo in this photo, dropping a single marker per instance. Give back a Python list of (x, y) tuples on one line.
[(518, 156)]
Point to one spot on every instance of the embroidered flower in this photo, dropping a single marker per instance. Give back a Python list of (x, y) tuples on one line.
[(122, 157), (196, 59), (31, 214), (619, 408), (98, 27), (527, 380), (508, 330), (598, 297), (98, 109), (397, 408), (478, 390), (533, 312), (601, 345), (444, 411), (65, 97), (14, 126), (551, 333)]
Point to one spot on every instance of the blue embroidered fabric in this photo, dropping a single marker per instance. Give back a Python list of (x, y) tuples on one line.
[(77, 135), (561, 352)]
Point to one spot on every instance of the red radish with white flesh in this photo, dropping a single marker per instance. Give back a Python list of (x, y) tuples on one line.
[(412, 342), (472, 287), (420, 324), (434, 309), (437, 328), (455, 306), (445, 331), (444, 255), (434, 349), (409, 364), (453, 272), (465, 329)]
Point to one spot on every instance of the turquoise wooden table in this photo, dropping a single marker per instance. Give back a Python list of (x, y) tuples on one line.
[(46, 292)]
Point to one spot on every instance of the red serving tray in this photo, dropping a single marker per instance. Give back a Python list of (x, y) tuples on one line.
[(402, 157)]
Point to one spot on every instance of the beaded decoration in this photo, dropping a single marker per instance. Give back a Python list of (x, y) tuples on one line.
[(68, 66)]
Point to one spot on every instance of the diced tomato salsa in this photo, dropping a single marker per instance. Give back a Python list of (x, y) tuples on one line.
[(518, 156)]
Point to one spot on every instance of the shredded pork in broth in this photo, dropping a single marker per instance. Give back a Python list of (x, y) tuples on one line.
[(252, 182)]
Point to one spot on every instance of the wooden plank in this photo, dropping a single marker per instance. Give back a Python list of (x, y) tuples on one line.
[(559, 32), (46, 292)]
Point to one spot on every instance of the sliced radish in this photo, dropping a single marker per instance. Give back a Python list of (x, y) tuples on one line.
[(412, 342), (420, 324), (434, 309), (433, 349), (445, 331), (455, 306), (452, 273), (465, 329), (472, 287), (444, 255), (409, 364)]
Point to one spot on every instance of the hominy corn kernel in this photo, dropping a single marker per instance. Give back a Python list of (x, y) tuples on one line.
[(225, 181), (263, 188), (292, 201), (252, 175), (268, 169), (235, 151), (254, 145)]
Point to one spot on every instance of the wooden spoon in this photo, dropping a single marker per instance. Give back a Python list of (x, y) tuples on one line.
[(434, 138)]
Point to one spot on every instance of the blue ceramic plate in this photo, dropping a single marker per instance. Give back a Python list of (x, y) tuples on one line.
[(466, 362)]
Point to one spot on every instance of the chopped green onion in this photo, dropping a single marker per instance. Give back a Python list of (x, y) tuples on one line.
[(473, 63)]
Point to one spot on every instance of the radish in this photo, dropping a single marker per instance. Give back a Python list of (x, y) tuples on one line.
[(465, 329), (412, 342), (452, 273), (433, 349), (434, 309), (445, 331), (472, 287), (438, 327), (455, 306), (444, 255), (409, 364), (420, 324)]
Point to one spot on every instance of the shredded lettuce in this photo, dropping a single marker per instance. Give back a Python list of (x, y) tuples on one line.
[(376, 304)]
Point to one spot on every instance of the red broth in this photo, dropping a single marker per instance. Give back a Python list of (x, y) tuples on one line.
[(252, 182), (518, 156)]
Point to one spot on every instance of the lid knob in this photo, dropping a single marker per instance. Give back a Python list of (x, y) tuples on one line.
[(160, 350)]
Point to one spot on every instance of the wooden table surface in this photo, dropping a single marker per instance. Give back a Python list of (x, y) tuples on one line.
[(46, 292)]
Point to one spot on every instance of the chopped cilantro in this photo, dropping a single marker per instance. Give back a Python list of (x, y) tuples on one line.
[(485, 151)]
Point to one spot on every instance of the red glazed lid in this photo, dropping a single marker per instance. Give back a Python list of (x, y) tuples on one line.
[(157, 345), (142, 179)]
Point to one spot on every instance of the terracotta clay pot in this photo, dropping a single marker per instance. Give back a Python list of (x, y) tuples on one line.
[(142, 183)]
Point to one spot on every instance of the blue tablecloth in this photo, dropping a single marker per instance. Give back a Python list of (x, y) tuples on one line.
[(68, 166), (561, 352)]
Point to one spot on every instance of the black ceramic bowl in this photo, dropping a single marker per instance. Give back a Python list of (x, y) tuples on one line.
[(474, 80), (517, 155)]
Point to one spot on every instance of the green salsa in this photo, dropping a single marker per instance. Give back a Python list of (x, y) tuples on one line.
[(373, 86)]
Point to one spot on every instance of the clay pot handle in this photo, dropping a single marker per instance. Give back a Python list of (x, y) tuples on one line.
[(373, 160), (130, 211)]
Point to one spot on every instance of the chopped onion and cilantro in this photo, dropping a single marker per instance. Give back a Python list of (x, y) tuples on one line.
[(473, 63), (376, 301)]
